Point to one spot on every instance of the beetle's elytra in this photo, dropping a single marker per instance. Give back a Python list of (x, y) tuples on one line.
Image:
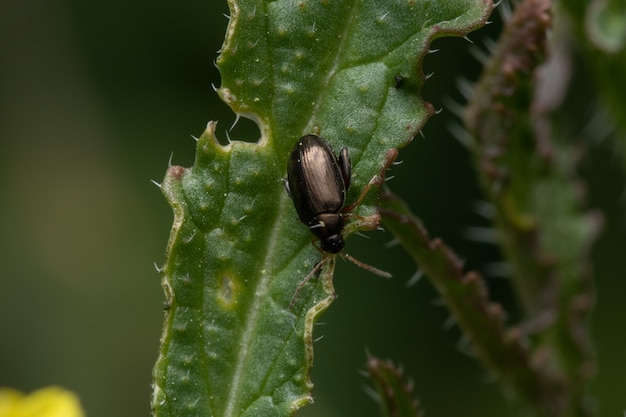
[(317, 182)]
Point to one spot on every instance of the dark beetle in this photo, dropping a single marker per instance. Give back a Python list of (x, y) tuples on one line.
[(317, 181)]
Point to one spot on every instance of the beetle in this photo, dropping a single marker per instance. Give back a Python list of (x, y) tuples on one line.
[(317, 182)]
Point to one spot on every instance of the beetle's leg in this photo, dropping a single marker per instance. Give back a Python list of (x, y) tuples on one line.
[(286, 186), (376, 180), (391, 156), (313, 241), (345, 166), (356, 223)]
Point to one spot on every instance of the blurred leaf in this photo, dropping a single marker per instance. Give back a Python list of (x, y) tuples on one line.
[(595, 33), (525, 165), (395, 393), (504, 351), (606, 25)]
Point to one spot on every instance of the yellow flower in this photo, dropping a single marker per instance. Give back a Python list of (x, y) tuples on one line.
[(46, 402)]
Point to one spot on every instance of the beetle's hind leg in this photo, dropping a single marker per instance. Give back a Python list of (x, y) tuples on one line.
[(371, 222), (376, 180)]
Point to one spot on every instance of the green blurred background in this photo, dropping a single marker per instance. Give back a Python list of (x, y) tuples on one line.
[(96, 96)]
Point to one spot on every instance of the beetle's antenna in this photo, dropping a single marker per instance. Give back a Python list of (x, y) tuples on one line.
[(366, 266)]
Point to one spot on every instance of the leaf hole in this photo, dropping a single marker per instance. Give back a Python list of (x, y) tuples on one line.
[(242, 129)]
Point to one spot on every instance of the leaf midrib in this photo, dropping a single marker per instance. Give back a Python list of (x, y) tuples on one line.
[(332, 70)]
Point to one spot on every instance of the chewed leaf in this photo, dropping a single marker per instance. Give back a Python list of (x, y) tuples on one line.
[(235, 341)]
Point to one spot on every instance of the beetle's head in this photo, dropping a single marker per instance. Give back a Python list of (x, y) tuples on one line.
[(333, 243)]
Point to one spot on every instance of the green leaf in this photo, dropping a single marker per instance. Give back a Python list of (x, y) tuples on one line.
[(232, 345)]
